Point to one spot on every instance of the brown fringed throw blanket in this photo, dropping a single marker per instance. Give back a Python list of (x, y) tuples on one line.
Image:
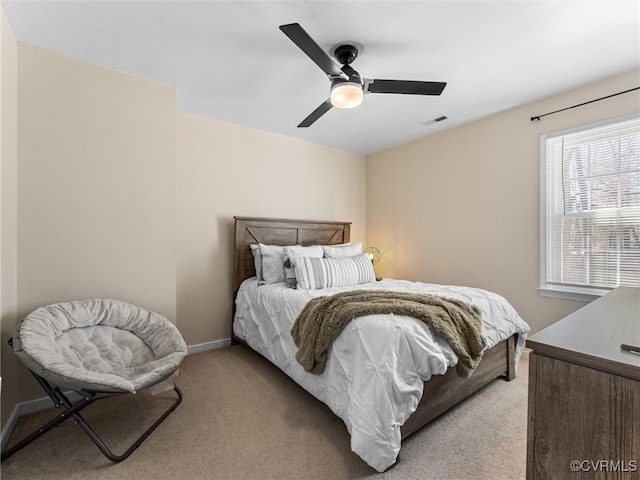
[(323, 318)]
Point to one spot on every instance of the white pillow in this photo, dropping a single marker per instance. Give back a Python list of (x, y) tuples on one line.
[(271, 264), (300, 251), (339, 251), (314, 273), (290, 254)]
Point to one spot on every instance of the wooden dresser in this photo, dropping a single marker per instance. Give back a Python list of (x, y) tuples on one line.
[(584, 393)]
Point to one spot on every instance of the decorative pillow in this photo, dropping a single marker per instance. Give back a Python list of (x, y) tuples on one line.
[(272, 264), (300, 251), (293, 251), (314, 273), (339, 251), (290, 274)]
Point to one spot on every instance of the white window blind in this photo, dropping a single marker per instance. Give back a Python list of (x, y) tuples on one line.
[(591, 208)]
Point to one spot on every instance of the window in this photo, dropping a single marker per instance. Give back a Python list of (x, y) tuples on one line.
[(590, 209)]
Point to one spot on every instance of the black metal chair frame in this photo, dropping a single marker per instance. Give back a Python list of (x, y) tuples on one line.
[(72, 410)]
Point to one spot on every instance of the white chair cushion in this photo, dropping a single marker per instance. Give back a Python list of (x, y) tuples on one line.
[(99, 345)]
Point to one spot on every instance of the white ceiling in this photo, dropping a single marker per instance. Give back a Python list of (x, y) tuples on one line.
[(228, 60)]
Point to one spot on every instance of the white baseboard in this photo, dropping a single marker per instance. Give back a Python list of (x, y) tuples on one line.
[(44, 403), (203, 347)]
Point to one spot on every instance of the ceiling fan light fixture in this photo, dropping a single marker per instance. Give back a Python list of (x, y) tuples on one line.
[(345, 94)]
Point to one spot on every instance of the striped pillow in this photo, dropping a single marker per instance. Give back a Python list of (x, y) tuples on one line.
[(314, 273)]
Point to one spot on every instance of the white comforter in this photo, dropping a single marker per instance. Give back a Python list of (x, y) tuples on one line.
[(375, 370)]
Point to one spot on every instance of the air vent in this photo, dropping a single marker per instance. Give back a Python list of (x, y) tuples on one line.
[(435, 120)]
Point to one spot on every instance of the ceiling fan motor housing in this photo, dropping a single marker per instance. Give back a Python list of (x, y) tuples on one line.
[(345, 54)]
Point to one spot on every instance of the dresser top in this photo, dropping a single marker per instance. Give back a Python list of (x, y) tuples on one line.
[(592, 335)]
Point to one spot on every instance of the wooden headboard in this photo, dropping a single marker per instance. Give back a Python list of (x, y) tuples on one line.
[(273, 231)]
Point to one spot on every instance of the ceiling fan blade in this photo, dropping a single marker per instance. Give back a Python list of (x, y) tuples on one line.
[(316, 114), (308, 45), (409, 87)]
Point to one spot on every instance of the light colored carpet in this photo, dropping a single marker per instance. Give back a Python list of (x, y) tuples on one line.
[(242, 418)]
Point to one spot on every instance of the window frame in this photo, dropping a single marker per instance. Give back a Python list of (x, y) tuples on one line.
[(564, 291)]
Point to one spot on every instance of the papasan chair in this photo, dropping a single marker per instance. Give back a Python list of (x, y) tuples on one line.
[(97, 348)]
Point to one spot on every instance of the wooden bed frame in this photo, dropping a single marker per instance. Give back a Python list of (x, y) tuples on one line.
[(441, 392)]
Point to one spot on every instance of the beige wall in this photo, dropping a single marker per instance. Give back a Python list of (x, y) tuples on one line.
[(96, 185), (462, 206), (8, 210), (224, 170)]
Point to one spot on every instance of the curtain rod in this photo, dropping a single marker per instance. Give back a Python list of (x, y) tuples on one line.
[(585, 103)]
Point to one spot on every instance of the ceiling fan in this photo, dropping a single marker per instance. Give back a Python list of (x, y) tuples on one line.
[(347, 86)]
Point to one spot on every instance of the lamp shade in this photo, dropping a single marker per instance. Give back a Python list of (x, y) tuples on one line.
[(373, 253), (345, 94)]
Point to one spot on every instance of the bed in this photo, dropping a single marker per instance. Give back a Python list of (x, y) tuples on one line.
[(422, 381)]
